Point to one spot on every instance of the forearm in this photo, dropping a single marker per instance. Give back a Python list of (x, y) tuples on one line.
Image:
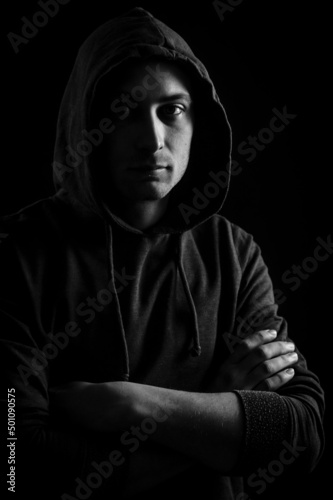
[(208, 428), (205, 427)]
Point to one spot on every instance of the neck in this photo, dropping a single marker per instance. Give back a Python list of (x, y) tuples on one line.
[(142, 214)]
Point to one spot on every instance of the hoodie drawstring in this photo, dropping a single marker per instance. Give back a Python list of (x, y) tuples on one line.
[(196, 347), (109, 237)]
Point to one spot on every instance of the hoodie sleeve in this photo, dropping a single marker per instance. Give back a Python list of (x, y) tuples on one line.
[(290, 420), (51, 461)]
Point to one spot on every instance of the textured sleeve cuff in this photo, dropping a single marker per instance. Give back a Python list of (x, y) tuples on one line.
[(266, 427)]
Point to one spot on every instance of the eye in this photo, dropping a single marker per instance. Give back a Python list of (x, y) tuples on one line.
[(173, 110)]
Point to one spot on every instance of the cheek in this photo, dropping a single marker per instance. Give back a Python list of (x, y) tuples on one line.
[(185, 147), (181, 142)]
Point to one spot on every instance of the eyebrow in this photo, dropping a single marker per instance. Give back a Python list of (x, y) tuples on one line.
[(164, 99), (178, 95)]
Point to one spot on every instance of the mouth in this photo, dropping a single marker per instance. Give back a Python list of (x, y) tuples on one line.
[(149, 172), (149, 168)]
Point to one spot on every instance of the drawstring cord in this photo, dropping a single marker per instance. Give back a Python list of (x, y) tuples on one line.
[(196, 347), (109, 238)]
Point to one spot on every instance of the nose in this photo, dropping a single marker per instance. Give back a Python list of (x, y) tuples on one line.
[(151, 133)]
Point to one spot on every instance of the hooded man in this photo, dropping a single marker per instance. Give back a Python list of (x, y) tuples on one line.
[(138, 326)]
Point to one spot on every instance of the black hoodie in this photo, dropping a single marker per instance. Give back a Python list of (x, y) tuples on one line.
[(85, 296)]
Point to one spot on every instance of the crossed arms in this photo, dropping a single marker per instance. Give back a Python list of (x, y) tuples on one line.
[(198, 427), (201, 428)]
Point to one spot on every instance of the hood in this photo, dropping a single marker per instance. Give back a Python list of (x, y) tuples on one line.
[(137, 34)]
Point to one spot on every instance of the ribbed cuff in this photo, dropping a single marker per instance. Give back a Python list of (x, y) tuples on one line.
[(266, 427)]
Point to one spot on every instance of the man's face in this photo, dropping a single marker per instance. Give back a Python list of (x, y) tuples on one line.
[(148, 152)]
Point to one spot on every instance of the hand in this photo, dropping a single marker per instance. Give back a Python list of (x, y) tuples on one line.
[(103, 407), (257, 363)]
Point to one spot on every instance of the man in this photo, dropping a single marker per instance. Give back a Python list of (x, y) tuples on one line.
[(139, 329)]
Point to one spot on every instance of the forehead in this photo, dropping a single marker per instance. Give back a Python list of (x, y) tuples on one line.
[(161, 74)]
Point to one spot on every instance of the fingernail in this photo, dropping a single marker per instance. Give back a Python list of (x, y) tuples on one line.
[(292, 355), (272, 332), (290, 371), (290, 345)]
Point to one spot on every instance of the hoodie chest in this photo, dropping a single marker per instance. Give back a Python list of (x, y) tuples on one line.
[(170, 310), (141, 308)]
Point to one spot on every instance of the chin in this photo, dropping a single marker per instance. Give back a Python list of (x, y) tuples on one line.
[(150, 193)]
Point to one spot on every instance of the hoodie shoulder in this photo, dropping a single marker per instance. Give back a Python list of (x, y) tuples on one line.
[(25, 218), (236, 235), (48, 224), (35, 212), (38, 224), (231, 239)]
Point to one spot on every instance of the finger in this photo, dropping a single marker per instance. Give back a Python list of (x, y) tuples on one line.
[(274, 349), (271, 367), (264, 353), (276, 381), (251, 342)]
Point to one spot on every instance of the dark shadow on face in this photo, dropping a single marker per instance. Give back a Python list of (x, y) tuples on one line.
[(114, 100)]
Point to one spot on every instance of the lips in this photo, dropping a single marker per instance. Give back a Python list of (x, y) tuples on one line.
[(148, 168), (149, 172)]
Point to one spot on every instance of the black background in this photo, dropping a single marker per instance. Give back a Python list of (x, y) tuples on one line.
[(263, 55)]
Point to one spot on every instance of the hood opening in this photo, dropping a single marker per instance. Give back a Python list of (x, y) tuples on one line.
[(137, 34)]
